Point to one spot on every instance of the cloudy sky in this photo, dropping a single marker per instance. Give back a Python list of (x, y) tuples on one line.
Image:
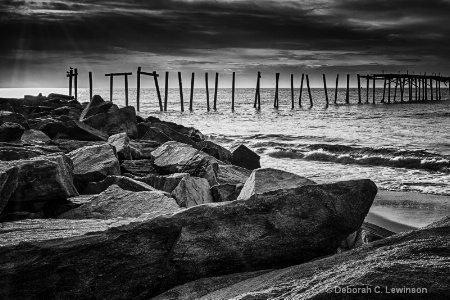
[(41, 39)]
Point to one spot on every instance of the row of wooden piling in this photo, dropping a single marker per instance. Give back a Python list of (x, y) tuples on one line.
[(417, 86)]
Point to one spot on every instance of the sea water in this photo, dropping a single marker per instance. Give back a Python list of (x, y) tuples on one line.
[(401, 146)]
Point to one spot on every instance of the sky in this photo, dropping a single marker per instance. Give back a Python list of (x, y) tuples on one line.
[(40, 40)]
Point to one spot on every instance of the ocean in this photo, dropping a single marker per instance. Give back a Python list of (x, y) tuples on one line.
[(401, 146)]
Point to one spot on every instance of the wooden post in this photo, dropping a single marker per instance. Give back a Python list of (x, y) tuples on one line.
[(90, 86), (166, 91), (232, 90), (415, 87), (191, 103), (256, 91), (215, 91), (292, 91), (336, 90), (207, 92), (138, 89), (396, 86), (301, 91), (389, 90), (347, 95), (126, 90), (431, 89), (111, 85), (410, 88), (384, 90), (325, 87), (181, 91), (419, 92), (425, 85), (309, 91), (70, 75), (275, 101), (367, 89), (259, 91), (155, 77), (76, 84), (373, 91), (359, 88)]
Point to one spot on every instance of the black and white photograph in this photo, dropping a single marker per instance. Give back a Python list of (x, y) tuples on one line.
[(224, 149)]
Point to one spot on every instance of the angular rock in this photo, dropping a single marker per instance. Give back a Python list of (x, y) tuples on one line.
[(60, 96), (10, 132), (160, 133), (226, 192), (143, 149), (116, 202), (123, 182), (10, 117), (93, 164), (153, 134), (8, 183), (43, 178), (368, 233), (96, 106), (268, 179), (115, 121), (192, 191), (190, 132), (154, 255), (230, 174), (16, 152), (166, 183), (121, 142), (139, 168), (244, 157), (67, 146), (216, 151), (34, 136), (174, 157), (405, 266), (73, 128)]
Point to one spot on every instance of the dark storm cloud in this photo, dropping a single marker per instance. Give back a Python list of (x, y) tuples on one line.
[(376, 32)]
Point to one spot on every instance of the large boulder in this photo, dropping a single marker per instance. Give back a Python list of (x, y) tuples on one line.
[(268, 179), (192, 191), (10, 152), (72, 128), (160, 132), (165, 183), (191, 132), (115, 121), (153, 134), (244, 157), (123, 182), (93, 163), (140, 168), (215, 150), (34, 136), (121, 142), (10, 117), (10, 132), (411, 265), (143, 149), (116, 202), (174, 157), (8, 183), (96, 106), (272, 230), (43, 178), (230, 181)]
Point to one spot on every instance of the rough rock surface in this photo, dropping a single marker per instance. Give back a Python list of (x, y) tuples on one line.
[(10, 132), (143, 149), (9, 151), (244, 157), (156, 129), (165, 183), (96, 106), (230, 180), (73, 128), (10, 117), (116, 120), (93, 164), (121, 142), (190, 132), (174, 157), (116, 202), (8, 183), (415, 259), (215, 150), (192, 191), (34, 136), (152, 134), (43, 178), (226, 192), (141, 167), (268, 179), (123, 182), (270, 230)]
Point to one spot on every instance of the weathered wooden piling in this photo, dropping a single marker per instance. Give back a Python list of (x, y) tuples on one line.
[(90, 86), (395, 89), (207, 92), (301, 91), (257, 92), (138, 88), (181, 91), (166, 91), (431, 89), (389, 89), (126, 90), (309, 91), (76, 83), (325, 87), (215, 91), (155, 77), (191, 102), (275, 101), (410, 89), (111, 86), (347, 95), (233, 82), (292, 91), (70, 75), (384, 91), (373, 92), (336, 90), (367, 89), (359, 88)]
